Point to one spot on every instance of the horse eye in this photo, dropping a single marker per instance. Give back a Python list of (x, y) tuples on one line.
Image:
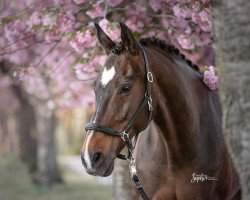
[(126, 88)]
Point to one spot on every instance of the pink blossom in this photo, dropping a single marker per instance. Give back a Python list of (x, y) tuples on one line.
[(91, 66), (136, 10), (205, 1), (15, 30), (183, 1), (114, 3), (81, 1), (196, 17), (66, 21), (53, 35), (135, 24), (76, 45), (83, 39), (47, 20), (196, 6), (88, 70), (89, 39), (19, 58), (98, 11), (113, 32), (185, 42), (203, 19), (205, 15), (210, 78), (35, 19), (137, 18), (58, 3), (156, 5), (206, 26), (182, 12), (104, 23)]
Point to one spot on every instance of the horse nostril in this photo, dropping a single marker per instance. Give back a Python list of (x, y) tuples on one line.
[(95, 157)]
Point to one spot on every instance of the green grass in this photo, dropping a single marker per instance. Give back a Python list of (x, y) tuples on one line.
[(15, 184)]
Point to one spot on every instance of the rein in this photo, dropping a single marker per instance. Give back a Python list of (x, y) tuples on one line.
[(124, 135)]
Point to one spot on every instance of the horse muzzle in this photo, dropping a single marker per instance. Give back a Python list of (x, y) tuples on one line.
[(97, 164)]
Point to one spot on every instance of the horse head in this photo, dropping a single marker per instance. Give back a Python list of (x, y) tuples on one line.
[(120, 91)]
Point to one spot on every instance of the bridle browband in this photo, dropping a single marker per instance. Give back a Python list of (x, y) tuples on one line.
[(124, 135)]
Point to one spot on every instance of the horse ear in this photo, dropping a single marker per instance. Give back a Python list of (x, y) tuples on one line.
[(104, 39), (129, 39)]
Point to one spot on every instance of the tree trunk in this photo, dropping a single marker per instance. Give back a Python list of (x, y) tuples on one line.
[(123, 188), (47, 173), (3, 131), (25, 123), (231, 20), (25, 127)]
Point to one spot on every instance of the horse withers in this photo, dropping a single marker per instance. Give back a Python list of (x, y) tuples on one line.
[(186, 157)]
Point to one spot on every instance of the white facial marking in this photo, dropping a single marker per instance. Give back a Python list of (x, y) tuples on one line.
[(86, 151), (107, 75)]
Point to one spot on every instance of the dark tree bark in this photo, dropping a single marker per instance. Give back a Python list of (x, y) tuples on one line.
[(25, 123), (231, 20), (3, 130), (47, 173), (26, 129)]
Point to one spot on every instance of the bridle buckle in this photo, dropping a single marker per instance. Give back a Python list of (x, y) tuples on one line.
[(125, 136), (150, 77)]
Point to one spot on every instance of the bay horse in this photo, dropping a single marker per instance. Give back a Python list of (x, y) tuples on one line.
[(186, 157)]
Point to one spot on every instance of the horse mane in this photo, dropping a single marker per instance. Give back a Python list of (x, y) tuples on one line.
[(162, 44)]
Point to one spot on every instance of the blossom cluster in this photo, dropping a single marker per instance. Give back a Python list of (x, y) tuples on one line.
[(83, 40), (210, 78), (56, 38)]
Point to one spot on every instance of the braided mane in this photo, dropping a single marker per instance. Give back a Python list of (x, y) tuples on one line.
[(162, 44)]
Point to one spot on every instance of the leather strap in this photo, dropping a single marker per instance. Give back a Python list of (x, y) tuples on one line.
[(103, 129), (139, 187)]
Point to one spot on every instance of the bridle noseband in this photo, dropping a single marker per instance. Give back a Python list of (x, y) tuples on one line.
[(124, 135)]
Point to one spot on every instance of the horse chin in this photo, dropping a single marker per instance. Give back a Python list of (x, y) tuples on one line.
[(109, 170), (103, 172)]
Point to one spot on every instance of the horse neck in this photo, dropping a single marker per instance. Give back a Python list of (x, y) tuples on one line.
[(180, 103)]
